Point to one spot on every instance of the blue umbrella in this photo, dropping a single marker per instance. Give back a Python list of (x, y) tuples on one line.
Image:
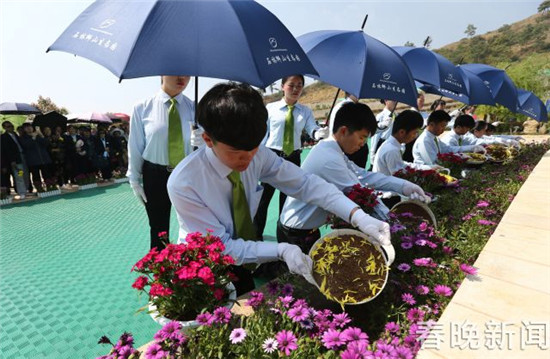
[(232, 39), (478, 92), (18, 108), (431, 68), (359, 64), (532, 106), (502, 87)]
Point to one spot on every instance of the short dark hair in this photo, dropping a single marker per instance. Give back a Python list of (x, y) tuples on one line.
[(480, 126), (285, 79), (437, 103), (439, 116), (491, 127), (234, 114), (407, 120), (356, 117), (5, 123), (465, 121)]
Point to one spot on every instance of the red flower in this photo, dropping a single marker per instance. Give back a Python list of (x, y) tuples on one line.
[(140, 282), (205, 273)]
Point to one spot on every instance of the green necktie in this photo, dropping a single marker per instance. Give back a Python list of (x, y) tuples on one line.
[(460, 141), (288, 137), (176, 150), (437, 145), (241, 212)]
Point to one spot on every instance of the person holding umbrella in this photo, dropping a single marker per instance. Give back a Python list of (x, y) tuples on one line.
[(12, 160), (161, 135), (285, 123)]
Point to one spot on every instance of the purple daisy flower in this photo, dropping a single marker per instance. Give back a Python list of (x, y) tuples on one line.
[(468, 269), (404, 267), (307, 324), (340, 320), (204, 318), (273, 288), (298, 314), (443, 290), (154, 351), (256, 299), (237, 335), (396, 228), (402, 352), (422, 262), (287, 289), (332, 339), (287, 341), (422, 226), (286, 301), (356, 350), (408, 298), (482, 204), (222, 315), (392, 327), (415, 314), (406, 245), (422, 289), (485, 222), (353, 334)]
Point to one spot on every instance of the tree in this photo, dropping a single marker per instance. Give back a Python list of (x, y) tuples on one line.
[(408, 43), (544, 7), (46, 105), (427, 42), (471, 30)]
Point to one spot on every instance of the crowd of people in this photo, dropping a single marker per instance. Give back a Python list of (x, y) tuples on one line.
[(34, 159)]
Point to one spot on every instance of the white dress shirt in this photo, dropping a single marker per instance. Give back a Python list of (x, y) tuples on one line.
[(484, 140), (328, 161), (425, 150), (334, 111), (385, 122), (303, 119), (201, 193), (149, 131), (389, 159)]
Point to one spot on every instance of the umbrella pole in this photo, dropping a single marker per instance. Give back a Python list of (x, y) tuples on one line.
[(332, 107), (196, 102), (364, 22)]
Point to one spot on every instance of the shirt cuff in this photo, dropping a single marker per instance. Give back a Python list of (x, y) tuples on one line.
[(267, 252)]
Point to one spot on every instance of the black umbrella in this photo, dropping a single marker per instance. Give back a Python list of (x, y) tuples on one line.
[(52, 120), (18, 108)]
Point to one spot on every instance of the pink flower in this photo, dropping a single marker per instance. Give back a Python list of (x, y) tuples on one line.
[(422, 289), (222, 315), (443, 290), (287, 341), (415, 314), (140, 282), (297, 314), (256, 299), (404, 267), (157, 290), (270, 345), (340, 320), (353, 334), (423, 226), (423, 262), (468, 269), (392, 327), (332, 339), (485, 222), (206, 275), (482, 204), (408, 298), (237, 335), (356, 350), (406, 245), (204, 319)]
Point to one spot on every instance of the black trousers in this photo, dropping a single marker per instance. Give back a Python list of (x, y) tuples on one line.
[(261, 215), (245, 281), (158, 203), (303, 238)]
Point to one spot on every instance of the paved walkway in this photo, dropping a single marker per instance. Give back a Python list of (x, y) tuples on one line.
[(505, 313)]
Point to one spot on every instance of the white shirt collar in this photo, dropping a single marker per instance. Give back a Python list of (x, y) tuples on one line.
[(222, 170), (164, 97)]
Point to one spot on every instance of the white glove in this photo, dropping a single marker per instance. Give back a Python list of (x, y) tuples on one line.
[(414, 191), (377, 230), (196, 138), (321, 133), (479, 148), (139, 192), (297, 261)]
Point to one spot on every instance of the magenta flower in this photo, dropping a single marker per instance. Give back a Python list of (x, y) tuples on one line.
[(423, 226), (270, 345), (443, 290), (422, 262), (298, 314), (237, 335), (420, 242), (392, 327), (408, 298), (154, 351), (204, 318), (485, 222), (256, 299), (286, 301), (222, 315), (332, 339), (422, 289), (482, 204), (396, 228), (287, 289), (404, 267), (356, 350), (353, 334), (415, 314), (340, 320), (406, 245), (402, 352), (286, 341), (468, 269), (272, 287)]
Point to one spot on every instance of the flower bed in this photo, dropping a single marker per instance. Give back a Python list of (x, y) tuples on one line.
[(429, 267)]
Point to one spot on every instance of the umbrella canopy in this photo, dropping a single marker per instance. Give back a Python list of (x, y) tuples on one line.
[(231, 39), (432, 68), (18, 108), (532, 106), (92, 117), (360, 65), (119, 116), (16, 120), (502, 87), (51, 119), (479, 93)]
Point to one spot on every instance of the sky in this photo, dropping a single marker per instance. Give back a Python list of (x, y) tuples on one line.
[(28, 28)]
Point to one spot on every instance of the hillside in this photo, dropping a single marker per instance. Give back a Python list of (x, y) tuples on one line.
[(523, 48)]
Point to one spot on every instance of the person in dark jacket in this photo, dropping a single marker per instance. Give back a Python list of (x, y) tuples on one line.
[(12, 161), (102, 159), (36, 154)]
